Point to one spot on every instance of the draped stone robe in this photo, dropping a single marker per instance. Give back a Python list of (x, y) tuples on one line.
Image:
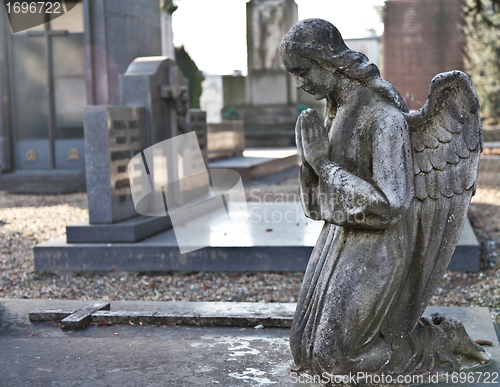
[(364, 195)]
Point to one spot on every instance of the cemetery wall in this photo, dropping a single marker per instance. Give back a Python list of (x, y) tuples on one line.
[(5, 116), (421, 39)]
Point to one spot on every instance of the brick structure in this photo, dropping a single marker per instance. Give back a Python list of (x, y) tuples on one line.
[(421, 39)]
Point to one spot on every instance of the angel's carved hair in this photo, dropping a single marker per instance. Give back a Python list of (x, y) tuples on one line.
[(320, 41)]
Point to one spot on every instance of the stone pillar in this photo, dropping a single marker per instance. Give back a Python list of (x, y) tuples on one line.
[(5, 102), (267, 23), (117, 32), (167, 36), (266, 100)]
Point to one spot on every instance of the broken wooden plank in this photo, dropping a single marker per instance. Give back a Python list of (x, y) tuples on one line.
[(82, 318)]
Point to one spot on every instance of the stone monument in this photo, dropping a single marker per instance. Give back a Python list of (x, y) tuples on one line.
[(266, 100), (113, 135), (393, 189), (152, 108)]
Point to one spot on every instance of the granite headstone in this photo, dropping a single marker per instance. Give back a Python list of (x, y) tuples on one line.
[(113, 135)]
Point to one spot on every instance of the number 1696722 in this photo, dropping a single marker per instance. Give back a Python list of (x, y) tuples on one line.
[(472, 377), (34, 7)]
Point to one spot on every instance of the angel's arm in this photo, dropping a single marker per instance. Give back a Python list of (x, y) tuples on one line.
[(344, 199)]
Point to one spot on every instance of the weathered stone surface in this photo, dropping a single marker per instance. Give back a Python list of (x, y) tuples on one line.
[(113, 135), (196, 355), (127, 231), (114, 39), (82, 318), (286, 248), (166, 318), (198, 124), (50, 315), (123, 317), (157, 84), (393, 189), (225, 139)]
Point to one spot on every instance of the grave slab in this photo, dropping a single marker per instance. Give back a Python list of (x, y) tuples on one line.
[(491, 144), (277, 238), (177, 356), (240, 314), (130, 230), (256, 163), (225, 139), (466, 255), (489, 163), (123, 317), (50, 315)]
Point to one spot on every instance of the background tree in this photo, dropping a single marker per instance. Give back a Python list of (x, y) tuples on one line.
[(484, 10), (192, 74), (186, 64), (482, 49), (168, 6)]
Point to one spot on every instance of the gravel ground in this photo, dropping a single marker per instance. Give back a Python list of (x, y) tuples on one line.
[(30, 219)]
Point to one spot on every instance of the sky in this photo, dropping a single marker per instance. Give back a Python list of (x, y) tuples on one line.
[(213, 32)]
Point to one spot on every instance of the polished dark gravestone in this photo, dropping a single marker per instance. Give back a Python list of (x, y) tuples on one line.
[(113, 135), (393, 189), (277, 238)]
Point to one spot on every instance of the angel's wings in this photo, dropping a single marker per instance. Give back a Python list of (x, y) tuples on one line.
[(446, 139)]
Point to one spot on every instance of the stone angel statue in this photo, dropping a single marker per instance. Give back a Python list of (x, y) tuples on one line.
[(393, 189)]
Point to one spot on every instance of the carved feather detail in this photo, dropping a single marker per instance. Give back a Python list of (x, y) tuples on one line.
[(446, 140), (446, 137)]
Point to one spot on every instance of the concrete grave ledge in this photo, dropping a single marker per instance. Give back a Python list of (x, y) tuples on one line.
[(127, 231), (40, 354), (197, 311), (489, 163), (491, 144), (491, 133), (240, 314)]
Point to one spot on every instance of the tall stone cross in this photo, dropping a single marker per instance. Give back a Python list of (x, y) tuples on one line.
[(157, 84)]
